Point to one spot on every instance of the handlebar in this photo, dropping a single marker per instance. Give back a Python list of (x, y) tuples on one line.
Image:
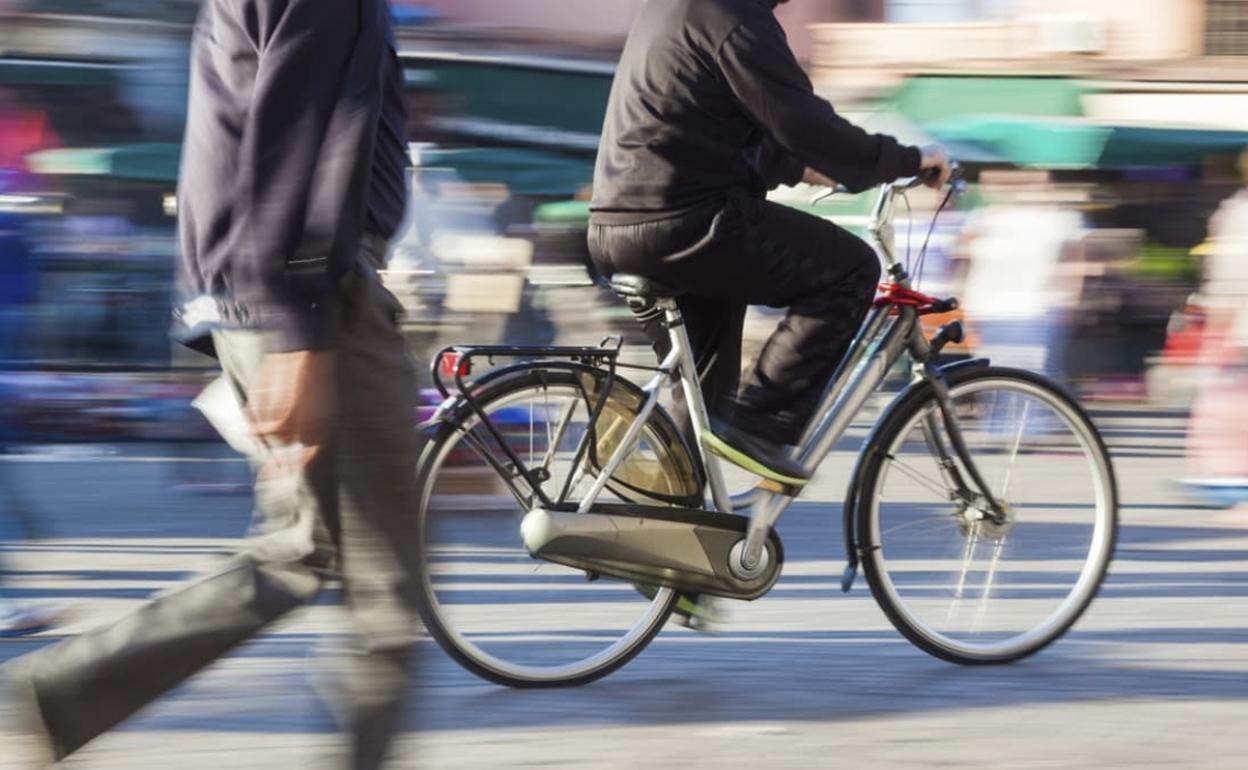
[(901, 185), (926, 175)]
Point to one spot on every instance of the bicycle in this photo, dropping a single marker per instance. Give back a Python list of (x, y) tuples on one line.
[(969, 544)]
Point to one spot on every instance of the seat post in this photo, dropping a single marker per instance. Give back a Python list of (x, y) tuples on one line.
[(686, 378)]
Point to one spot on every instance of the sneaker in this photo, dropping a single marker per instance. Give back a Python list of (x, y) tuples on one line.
[(696, 611), (24, 743), (756, 455), (699, 612)]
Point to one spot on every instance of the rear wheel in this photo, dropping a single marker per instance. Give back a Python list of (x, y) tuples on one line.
[(957, 583), (495, 609)]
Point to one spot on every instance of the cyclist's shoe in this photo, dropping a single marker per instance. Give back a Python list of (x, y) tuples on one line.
[(696, 611), (759, 456), (699, 612)]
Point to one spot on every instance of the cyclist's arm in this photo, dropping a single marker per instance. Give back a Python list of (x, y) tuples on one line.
[(813, 177), (776, 166), (760, 69)]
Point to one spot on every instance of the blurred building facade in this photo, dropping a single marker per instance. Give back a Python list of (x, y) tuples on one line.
[(1146, 39), (610, 18), (1127, 112)]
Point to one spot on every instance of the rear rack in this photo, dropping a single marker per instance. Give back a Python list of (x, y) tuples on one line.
[(455, 361), (459, 358)]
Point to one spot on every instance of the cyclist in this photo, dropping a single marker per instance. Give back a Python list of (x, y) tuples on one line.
[(709, 109)]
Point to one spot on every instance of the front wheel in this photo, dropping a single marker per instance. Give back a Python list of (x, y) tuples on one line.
[(958, 582)]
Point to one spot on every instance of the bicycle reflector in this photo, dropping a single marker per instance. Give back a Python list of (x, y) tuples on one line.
[(452, 360)]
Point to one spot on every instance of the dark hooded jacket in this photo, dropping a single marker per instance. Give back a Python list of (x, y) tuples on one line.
[(709, 98)]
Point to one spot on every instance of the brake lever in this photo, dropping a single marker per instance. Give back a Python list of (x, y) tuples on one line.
[(826, 193), (925, 175)]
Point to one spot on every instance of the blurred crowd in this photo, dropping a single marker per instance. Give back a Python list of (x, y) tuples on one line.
[(1128, 283)]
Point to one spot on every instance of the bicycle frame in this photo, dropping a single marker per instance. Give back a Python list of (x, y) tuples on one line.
[(891, 328)]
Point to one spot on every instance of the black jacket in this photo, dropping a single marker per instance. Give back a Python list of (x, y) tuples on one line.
[(708, 98), (295, 147)]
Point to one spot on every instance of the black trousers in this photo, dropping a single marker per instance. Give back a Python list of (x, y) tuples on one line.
[(749, 251)]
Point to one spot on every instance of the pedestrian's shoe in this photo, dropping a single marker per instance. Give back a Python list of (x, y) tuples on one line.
[(756, 455), (24, 743), (25, 622)]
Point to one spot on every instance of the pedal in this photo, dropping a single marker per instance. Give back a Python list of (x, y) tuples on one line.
[(685, 549)]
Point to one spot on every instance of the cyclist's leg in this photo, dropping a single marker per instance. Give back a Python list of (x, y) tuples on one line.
[(714, 328), (683, 251), (826, 277), (754, 252)]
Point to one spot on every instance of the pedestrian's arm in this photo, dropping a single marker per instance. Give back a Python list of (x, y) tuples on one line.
[(303, 47), (760, 68)]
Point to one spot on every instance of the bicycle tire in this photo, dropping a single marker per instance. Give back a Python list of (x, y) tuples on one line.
[(903, 413), (518, 380)]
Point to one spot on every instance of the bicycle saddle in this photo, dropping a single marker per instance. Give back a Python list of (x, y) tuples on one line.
[(631, 285)]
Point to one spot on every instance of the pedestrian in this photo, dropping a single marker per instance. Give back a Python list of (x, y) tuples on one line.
[(293, 180), (17, 519), (16, 516), (22, 131), (1217, 441)]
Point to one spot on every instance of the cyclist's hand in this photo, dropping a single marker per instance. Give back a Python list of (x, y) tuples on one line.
[(813, 177), (934, 157)]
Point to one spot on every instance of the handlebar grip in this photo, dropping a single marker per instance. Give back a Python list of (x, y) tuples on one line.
[(928, 175)]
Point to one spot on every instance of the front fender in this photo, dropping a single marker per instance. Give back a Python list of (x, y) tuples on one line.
[(849, 511)]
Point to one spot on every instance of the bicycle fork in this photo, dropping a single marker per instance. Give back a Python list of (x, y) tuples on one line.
[(924, 353)]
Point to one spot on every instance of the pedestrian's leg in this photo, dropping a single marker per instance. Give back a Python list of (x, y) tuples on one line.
[(16, 620), (90, 683), (378, 454)]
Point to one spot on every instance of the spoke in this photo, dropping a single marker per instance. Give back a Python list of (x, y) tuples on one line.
[(553, 444), (922, 478), (1018, 440), (531, 432), (546, 418), (992, 574), (987, 417), (935, 517), (967, 553)]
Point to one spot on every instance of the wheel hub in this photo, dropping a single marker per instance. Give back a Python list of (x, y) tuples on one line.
[(978, 518)]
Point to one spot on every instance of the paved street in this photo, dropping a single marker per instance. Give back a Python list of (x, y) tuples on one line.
[(1155, 674)]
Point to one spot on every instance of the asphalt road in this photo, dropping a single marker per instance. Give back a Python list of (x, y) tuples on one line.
[(1156, 674)]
